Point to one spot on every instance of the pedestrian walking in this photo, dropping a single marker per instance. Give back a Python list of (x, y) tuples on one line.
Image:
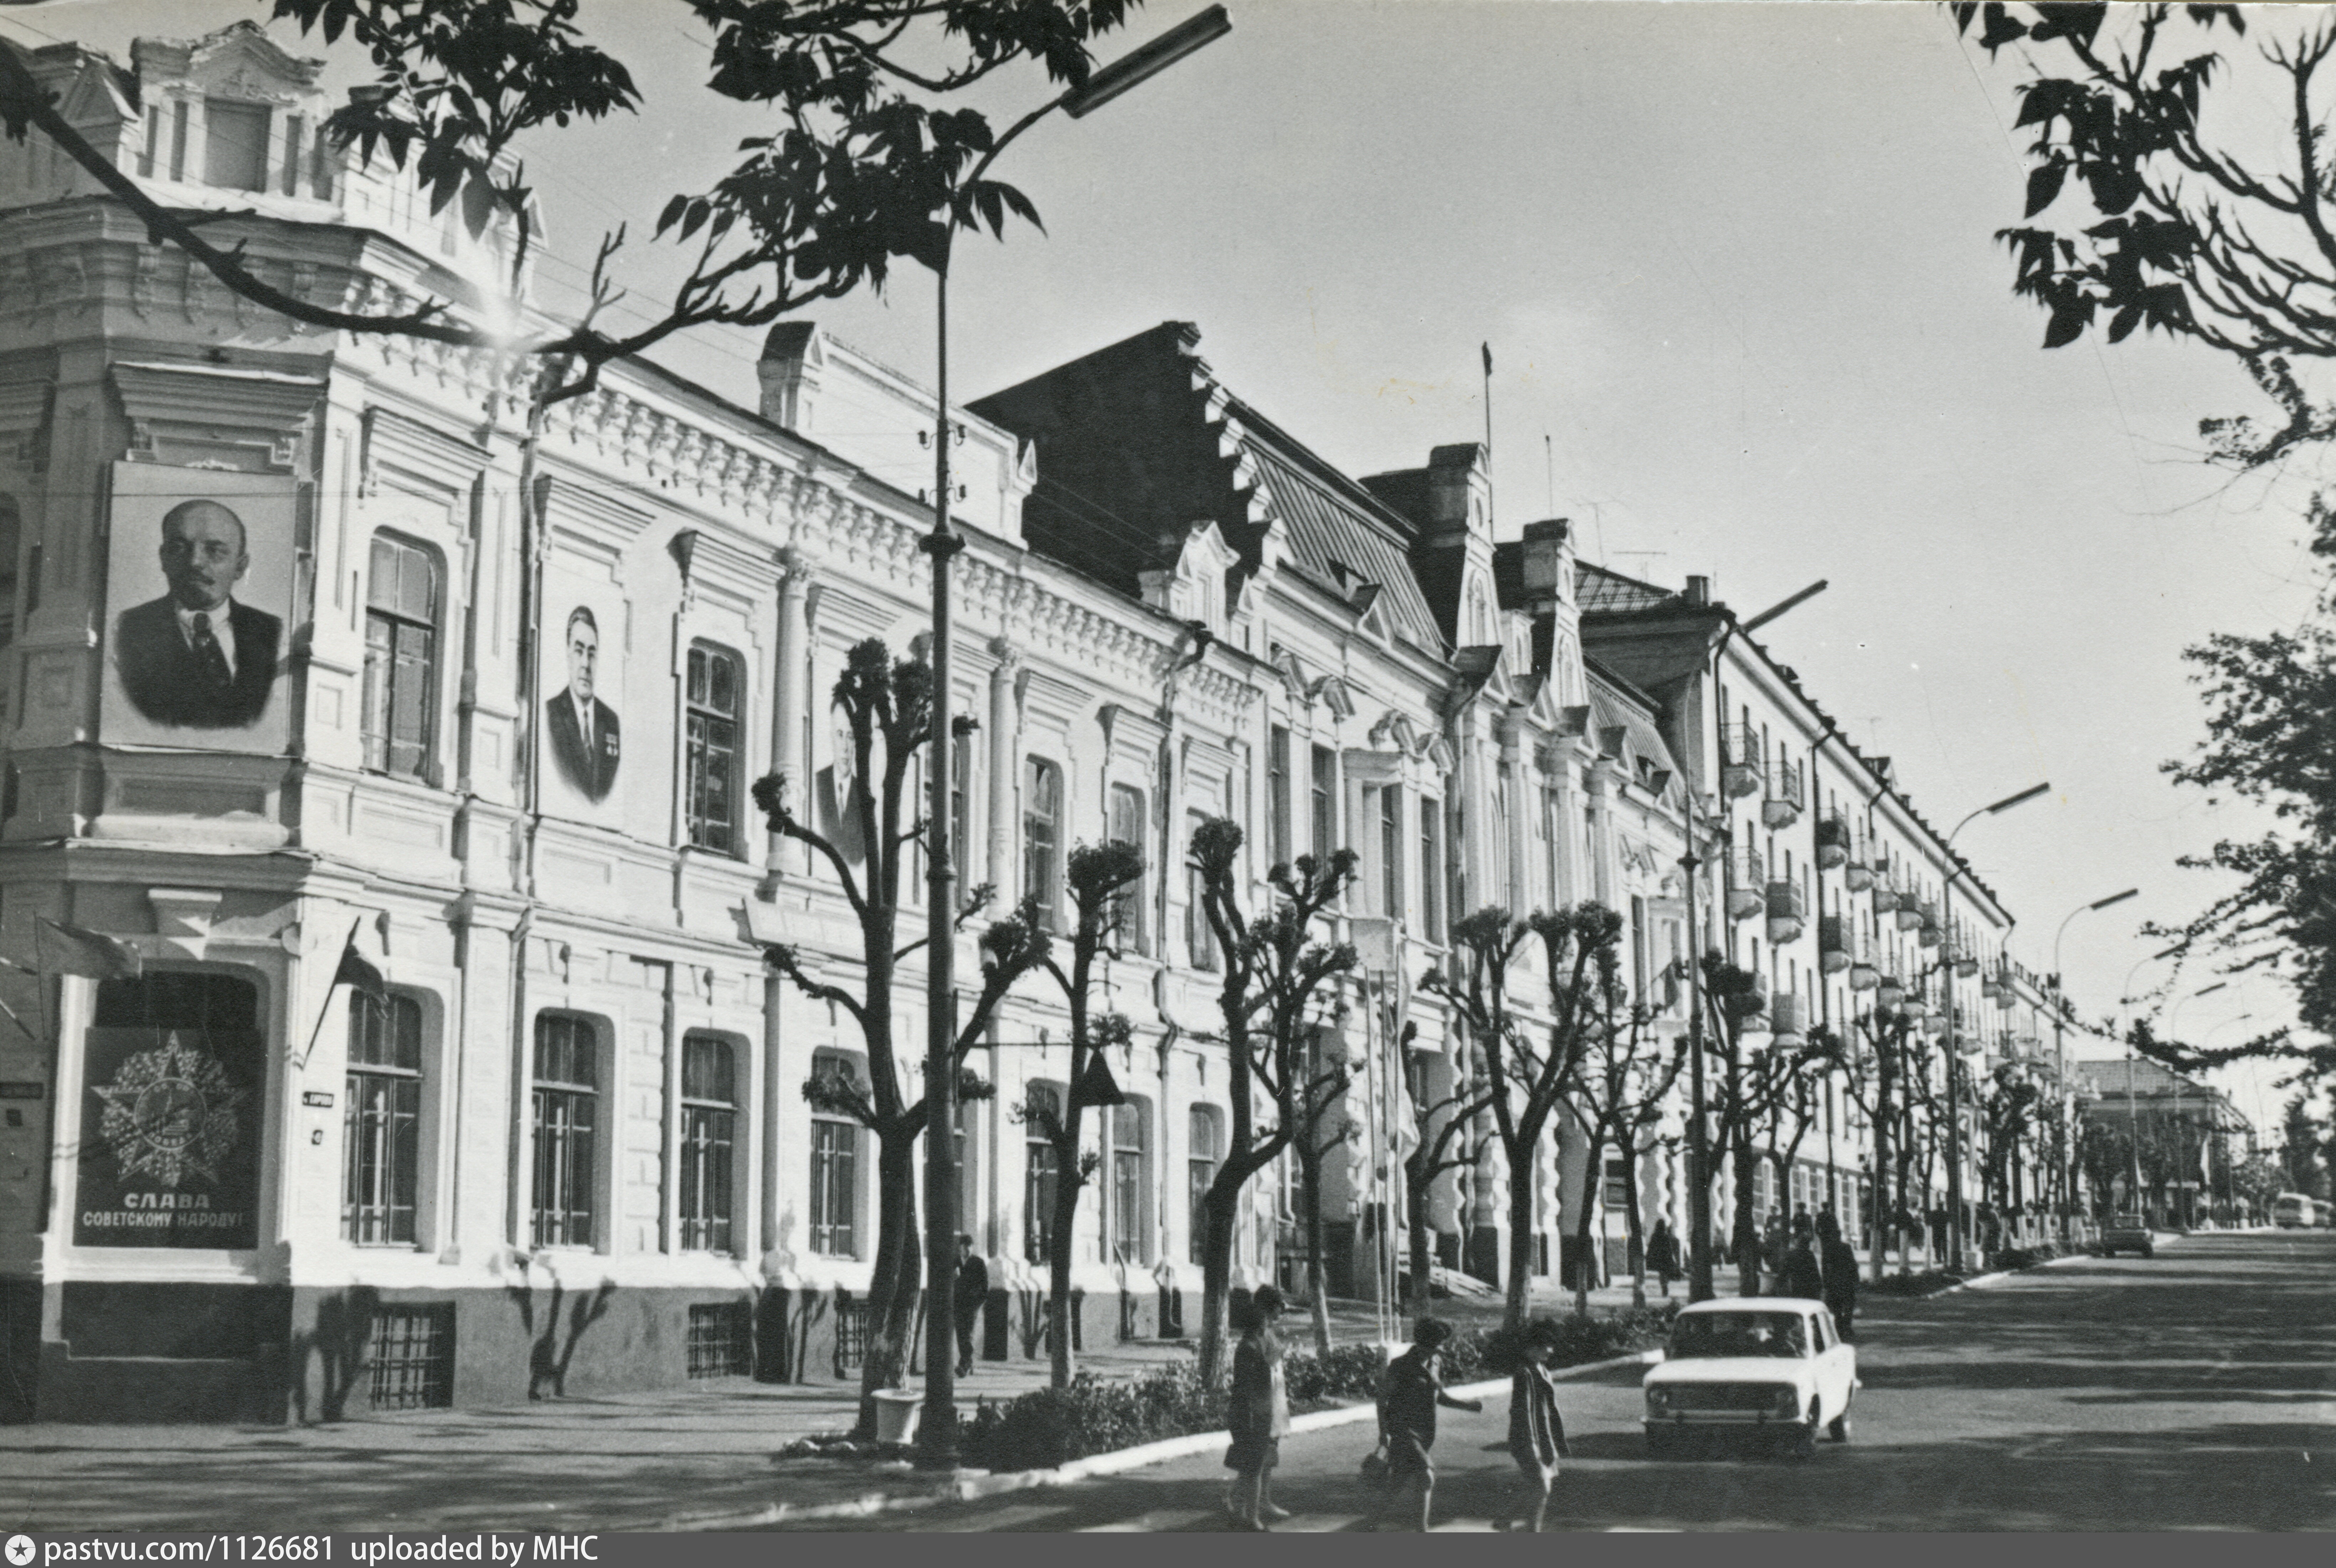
[(1409, 1392), (1259, 1414), (1839, 1260), (1536, 1431), (1663, 1255), (1802, 1276), (1772, 1245), (972, 1296)]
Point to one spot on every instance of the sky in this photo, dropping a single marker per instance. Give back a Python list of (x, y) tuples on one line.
[(1736, 265)]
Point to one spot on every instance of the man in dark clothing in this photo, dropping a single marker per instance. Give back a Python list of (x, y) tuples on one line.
[(972, 1295), (1663, 1255), (1801, 1276), (196, 659), (1839, 1259), (1409, 1393)]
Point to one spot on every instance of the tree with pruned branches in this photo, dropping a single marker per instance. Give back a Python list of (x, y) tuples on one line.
[(1527, 1080), (1280, 983), (1323, 1127), (1443, 1138), (1626, 1077), (1098, 878), (887, 709)]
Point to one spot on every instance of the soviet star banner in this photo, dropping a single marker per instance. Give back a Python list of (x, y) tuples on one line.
[(170, 1144)]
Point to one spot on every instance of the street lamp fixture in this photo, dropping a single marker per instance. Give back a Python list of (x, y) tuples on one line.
[(936, 1430), (1954, 1087)]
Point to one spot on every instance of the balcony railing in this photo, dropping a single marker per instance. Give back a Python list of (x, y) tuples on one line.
[(1885, 897), (1834, 842), (1835, 940), (1788, 911), (1746, 877), (1739, 760), (1782, 809), (1788, 1020)]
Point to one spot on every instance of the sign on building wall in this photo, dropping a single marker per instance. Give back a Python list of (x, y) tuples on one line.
[(169, 1146), (200, 594), (585, 773)]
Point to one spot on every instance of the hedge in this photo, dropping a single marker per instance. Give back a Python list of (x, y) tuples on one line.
[(1097, 1416)]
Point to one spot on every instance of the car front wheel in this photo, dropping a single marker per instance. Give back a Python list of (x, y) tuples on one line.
[(1838, 1428), (1803, 1443)]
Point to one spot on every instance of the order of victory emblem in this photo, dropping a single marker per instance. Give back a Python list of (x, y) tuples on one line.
[(170, 1113)]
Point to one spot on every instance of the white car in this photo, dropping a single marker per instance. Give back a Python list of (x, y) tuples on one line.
[(1770, 1365)]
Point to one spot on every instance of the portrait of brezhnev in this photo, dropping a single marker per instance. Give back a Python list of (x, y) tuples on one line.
[(583, 729)]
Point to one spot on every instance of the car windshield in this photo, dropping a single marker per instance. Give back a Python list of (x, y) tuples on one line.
[(1709, 1335), (2126, 1222)]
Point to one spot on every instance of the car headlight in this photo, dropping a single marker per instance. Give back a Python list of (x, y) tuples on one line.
[(1658, 1401), (1788, 1403)]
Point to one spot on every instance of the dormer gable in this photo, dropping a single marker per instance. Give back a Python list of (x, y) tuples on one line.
[(1195, 587)]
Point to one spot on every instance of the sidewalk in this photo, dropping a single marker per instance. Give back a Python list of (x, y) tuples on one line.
[(608, 1462)]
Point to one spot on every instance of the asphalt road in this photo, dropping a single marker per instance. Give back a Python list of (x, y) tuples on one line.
[(2194, 1390)]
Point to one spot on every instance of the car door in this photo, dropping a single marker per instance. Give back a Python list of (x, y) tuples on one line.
[(1836, 1366)]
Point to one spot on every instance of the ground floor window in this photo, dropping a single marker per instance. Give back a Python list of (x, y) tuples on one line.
[(381, 1120), (709, 1125), (567, 1130)]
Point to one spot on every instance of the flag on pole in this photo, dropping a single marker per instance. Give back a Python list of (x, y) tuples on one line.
[(70, 951), (1488, 359), (355, 971)]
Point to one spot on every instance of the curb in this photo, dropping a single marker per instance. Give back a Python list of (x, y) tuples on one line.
[(968, 1485)]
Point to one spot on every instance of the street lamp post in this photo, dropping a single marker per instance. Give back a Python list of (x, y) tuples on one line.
[(937, 1446), (2059, 1044), (1954, 1097), (1698, 1135)]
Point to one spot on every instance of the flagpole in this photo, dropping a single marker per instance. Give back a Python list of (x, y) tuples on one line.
[(1488, 426), (347, 942)]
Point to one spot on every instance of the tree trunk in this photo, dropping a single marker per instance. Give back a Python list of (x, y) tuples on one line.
[(1216, 1278), (891, 1287), (1635, 1228), (1059, 1245), (1309, 1167), (1520, 1238), (1584, 1268), (1418, 1194), (1747, 1230)]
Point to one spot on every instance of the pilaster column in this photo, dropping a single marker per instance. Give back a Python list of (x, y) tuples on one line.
[(1004, 735), (1520, 823), (791, 705), (1601, 808)]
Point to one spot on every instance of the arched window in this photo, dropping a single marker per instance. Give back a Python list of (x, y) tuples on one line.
[(401, 657), (709, 1131), (381, 1121), (1042, 1107), (834, 1165), (1204, 1148), (1042, 836), (567, 1130), (1130, 1232)]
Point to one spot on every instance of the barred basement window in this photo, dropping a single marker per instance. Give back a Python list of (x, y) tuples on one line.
[(566, 1108), (851, 1334), (413, 1358), (722, 1339), (709, 1118), (381, 1122)]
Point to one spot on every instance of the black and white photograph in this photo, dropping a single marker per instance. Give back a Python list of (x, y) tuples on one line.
[(1164, 766), (197, 665)]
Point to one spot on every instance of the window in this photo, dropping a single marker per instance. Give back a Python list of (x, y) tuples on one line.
[(1391, 851), (1131, 1238), (1199, 1171), (1276, 788), (1502, 895), (1325, 803), (710, 751), (235, 153), (381, 1121), (292, 155), (834, 1167), (566, 1107), (1127, 828), (1456, 876), (709, 1130), (961, 823), (1431, 868), (1200, 937), (1617, 1197), (1042, 819), (401, 657), (1042, 1107), (179, 140)]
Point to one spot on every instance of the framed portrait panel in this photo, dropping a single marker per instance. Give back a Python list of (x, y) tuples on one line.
[(198, 608)]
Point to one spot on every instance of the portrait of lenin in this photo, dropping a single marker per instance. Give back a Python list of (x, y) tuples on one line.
[(195, 658)]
